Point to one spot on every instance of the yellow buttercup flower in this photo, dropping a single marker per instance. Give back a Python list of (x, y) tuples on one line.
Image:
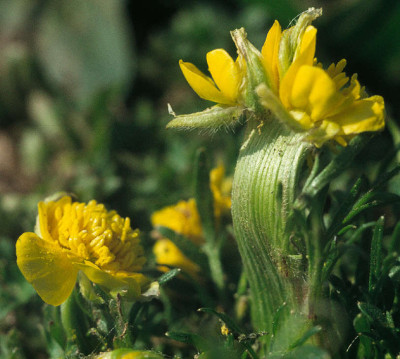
[(326, 103), (221, 187), (184, 219), (168, 254), (227, 76), (73, 237)]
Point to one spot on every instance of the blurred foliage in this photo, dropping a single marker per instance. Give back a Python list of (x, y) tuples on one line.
[(83, 106)]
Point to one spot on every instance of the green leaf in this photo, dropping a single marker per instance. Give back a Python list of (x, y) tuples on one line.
[(54, 331), (346, 206), (372, 313), (376, 256), (394, 245), (371, 200), (212, 118), (307, 335), (188, 338), (166, 277), (334, 168)]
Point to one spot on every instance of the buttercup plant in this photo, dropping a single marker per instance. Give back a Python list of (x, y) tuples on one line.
[(287, 293), (73, 237), (291, 105)]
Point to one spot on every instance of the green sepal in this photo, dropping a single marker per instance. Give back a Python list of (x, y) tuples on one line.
[(76, 324), (213, 118), (54, 332), (271, 102), (255, 73), (291, 39)]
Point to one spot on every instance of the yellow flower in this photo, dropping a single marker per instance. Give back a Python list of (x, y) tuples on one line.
[(224, 86), (73, 237), (184, 219), (326, 103), (221, 188), (168, 253)]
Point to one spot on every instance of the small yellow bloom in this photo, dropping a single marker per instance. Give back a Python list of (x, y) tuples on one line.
[(221, 187), (168, 253), (184, 219), (326, 103), (224, 86), (225, 330), (73, 237)]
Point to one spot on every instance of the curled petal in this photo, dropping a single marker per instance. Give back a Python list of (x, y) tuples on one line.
[(363, 116), (127, 283), (168, 253), (270, 52), (313, 89), (307, 46), (46, 267), (305, 57), (203, 85), (226, 74)]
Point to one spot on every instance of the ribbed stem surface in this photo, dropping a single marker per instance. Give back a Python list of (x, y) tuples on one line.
[(264, 190)]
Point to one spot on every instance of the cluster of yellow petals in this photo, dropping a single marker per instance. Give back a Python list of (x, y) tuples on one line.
[(227, 76), (324, 102), (73, 237), (184, 219)]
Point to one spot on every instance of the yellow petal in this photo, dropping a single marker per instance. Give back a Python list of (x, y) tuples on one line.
[(363, 116), (307, 46), (168, 253), (47, 267), (182, 218), (226, 74), (315, 92), (221, 189), (270, 52), (305, 57), (201, 84)]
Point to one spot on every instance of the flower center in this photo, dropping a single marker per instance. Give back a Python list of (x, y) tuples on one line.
[(92, 233)]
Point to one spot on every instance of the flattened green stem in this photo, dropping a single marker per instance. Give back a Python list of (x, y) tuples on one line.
[(265, 186)]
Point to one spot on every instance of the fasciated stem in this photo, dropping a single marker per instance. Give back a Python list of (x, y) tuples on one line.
[(265, 187)]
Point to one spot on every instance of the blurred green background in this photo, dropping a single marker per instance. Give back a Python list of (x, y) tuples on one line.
[(84, 88)]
